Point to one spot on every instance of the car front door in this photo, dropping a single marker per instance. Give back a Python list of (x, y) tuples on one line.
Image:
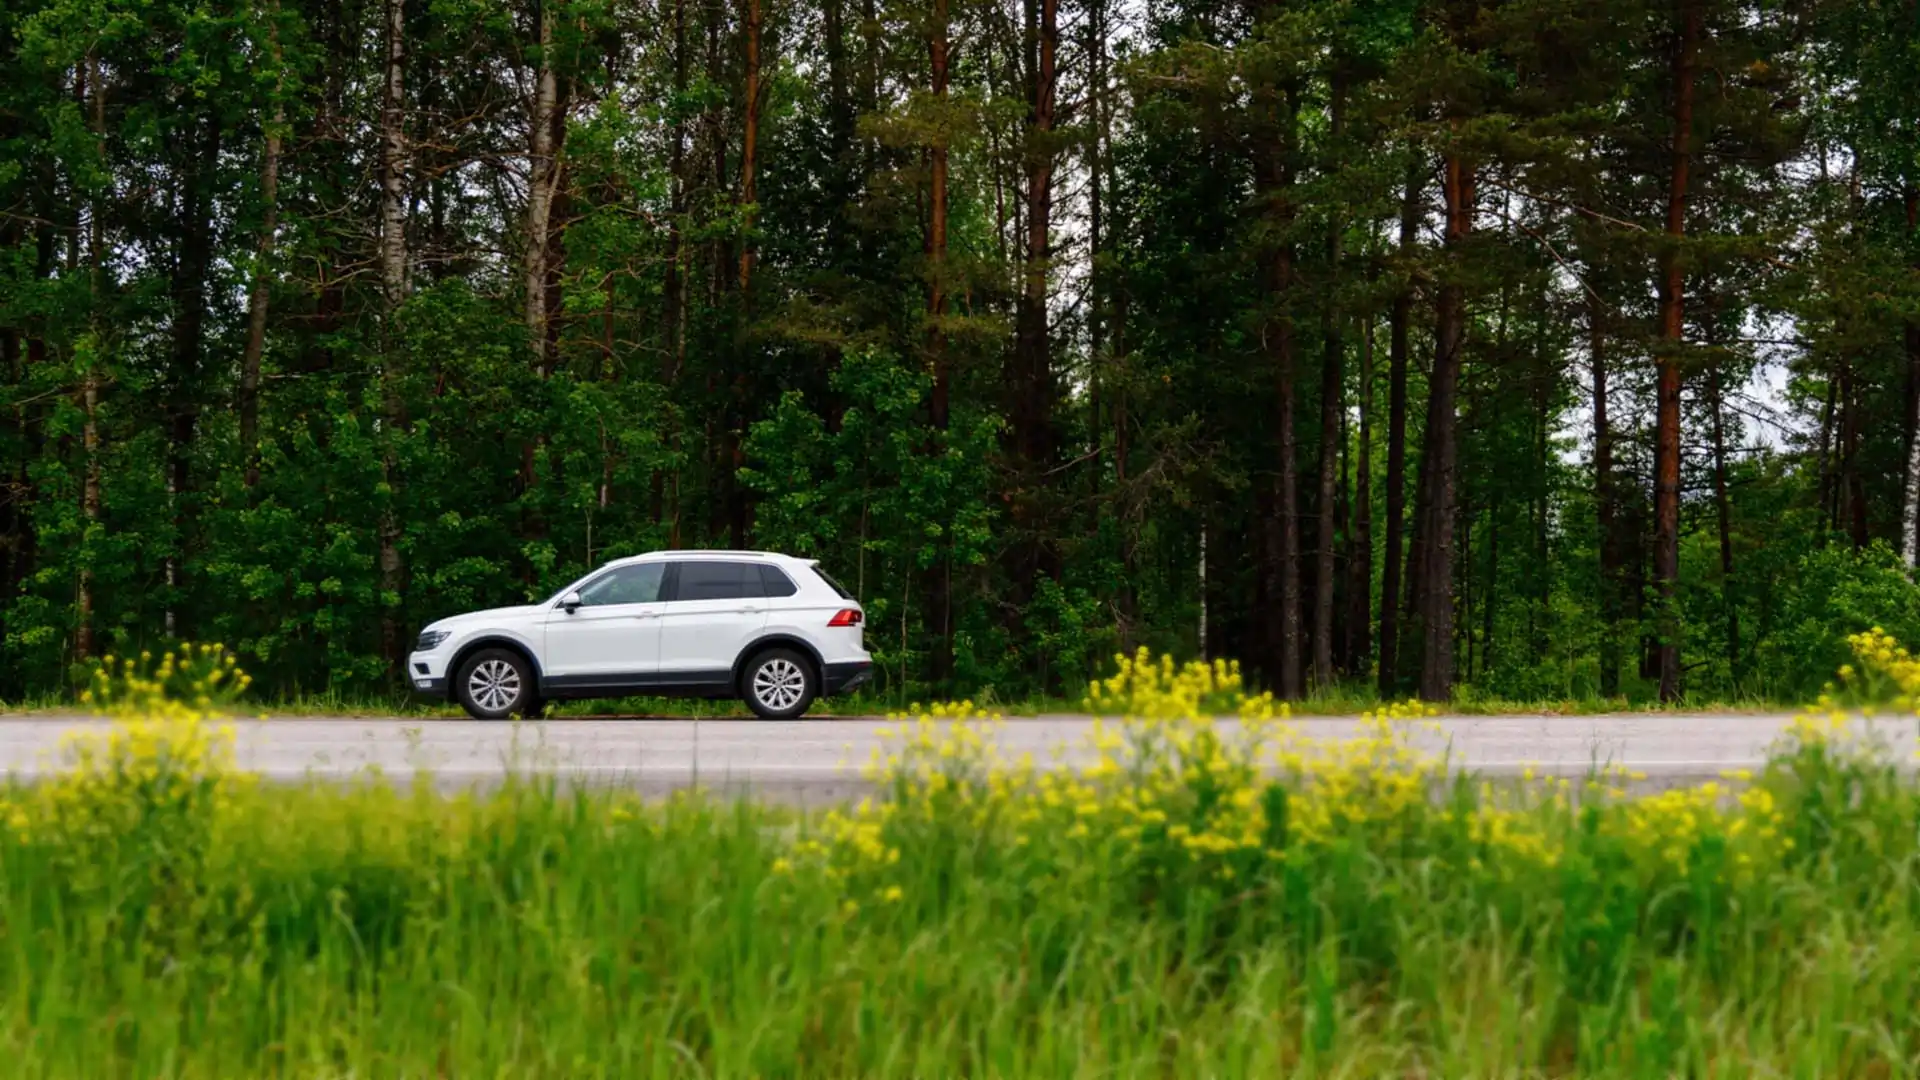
[(715, 608), (613, 637)]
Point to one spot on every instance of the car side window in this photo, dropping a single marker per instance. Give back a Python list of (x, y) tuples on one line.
[(636, 584), (774, 583), (718, 581)]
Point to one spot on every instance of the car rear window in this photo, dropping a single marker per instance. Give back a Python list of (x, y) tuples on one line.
[(776, 583), (821, 573), (718, 581)]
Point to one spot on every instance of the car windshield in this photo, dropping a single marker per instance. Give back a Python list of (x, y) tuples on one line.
[(573, 586)]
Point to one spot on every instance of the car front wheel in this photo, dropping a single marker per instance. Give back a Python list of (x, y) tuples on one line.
[(779, 684), (495, 684)]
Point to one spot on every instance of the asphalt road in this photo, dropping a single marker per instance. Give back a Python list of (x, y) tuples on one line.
[(816, 761)]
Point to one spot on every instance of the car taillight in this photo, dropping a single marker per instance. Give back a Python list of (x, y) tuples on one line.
[(845, 617)]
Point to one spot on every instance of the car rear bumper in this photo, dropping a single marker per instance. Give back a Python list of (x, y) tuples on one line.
[(839, 678)]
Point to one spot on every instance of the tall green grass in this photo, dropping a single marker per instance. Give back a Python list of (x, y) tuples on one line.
[(536, 932), (164, 916)]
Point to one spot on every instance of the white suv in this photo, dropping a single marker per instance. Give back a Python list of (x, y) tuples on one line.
[(771, 629)]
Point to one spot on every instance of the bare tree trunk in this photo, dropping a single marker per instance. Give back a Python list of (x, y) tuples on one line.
[(1439, 461), (1399, 324), (1031, 382), (1855, 484), (95, 92), (1604, 509), (1490, 589), (393, 276), (1723, 511), (543, 175), (1106, 325), (1360, 562), (1332, 407), (1281, 574), (190, 265), (674, 288), (1829, 497), (1097, 404), (259, 294), (939, 578), (750, 144), (1672, 331), (1544, 374), (393, 160), (1910, 505)]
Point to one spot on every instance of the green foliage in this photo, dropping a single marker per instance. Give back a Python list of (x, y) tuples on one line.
[(1839, 593), (1226, 193)]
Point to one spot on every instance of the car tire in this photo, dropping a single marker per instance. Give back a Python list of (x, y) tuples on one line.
[(495, 684), (779, 684)]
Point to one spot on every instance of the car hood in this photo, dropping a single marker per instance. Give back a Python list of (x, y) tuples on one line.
[(490, 615)]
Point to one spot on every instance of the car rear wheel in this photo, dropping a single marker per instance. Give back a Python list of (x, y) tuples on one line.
[(779, 684), (495, 684)]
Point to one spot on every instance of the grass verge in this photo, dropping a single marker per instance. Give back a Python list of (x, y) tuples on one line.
[(1173, 910)]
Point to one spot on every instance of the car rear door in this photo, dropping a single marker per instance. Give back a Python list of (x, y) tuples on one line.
[(715, 607)]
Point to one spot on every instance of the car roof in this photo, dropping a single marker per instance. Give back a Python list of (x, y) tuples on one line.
[(678, 553)]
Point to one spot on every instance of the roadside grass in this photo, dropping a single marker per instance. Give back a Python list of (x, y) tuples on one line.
[(1175, 909), (1338, 701)]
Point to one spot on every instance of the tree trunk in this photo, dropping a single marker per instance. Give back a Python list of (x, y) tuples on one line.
[(393, 160), (1281, 575), (543, 176), (1399, 324), (674, 288), (939, 576), (1439, 459), (1096, 307), (1545, 375), (1490, 589), (1360, 561), (1724, 513), (1856, 487), (260, 291), (1331, 409), (393, 276), (1672, 330), (1910, 505), (1829, 501), (1031, 381), (187, 289), (749, 145), (1113, 299), (95, 92)]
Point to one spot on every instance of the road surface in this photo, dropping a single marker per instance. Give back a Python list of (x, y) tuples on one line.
[(818, 761)]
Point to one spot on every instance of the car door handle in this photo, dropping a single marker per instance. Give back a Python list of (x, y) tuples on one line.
[(749, 610), (648, 615)]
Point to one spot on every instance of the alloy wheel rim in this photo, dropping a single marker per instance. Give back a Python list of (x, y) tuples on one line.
[(494, 685), (779, 683)]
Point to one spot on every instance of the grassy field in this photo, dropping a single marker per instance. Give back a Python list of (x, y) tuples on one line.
[(1190, 906)]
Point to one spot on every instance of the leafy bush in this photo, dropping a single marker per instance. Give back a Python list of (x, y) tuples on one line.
[(1835, 593)]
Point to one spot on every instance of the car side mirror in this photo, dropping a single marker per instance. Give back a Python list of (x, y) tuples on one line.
[(571, 601)]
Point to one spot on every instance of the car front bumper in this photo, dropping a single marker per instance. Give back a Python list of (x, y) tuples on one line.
[(427, 673)]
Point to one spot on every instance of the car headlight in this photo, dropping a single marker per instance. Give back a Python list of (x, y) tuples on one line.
[(430, 640)]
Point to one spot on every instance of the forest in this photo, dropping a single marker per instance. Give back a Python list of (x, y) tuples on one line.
[(1518, 349)]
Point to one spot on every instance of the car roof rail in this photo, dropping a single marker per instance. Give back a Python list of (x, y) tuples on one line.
[(726, 552)]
